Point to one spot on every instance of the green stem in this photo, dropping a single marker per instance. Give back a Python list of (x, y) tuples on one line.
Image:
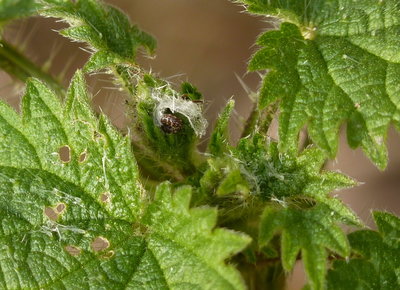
[(125, 76), (147, 159), (19, 66), (259, 120), (263, 274), (251, 121)]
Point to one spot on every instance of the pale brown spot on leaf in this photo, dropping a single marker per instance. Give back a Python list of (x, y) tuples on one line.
[(82, 157), (72, 250), (65, 154), (54, 212), (60, 208), (51, 213), (100, 244), (105, 197)]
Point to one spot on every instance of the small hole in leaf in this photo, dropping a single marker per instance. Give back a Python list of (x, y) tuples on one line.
[(82, 157), (105, 197), (51, 213), (100, 244), (54, 212), (60, 208), (72, 250), (108, 255), (65, 154)]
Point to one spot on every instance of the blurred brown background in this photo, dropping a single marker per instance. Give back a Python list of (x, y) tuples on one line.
[(208, 43)]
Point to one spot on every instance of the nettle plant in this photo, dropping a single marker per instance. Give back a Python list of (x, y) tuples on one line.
[(86, 206)]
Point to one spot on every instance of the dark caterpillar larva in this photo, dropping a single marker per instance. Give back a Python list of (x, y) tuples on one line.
[(171, 124)]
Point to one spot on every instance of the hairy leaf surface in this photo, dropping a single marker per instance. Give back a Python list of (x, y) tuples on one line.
[(332, 62), (73, 213), (219, 140), (294, 197), (104, 28), (195, 255), (283, 177), (263, 192), (255, 173), (309, 231), (377, 263)]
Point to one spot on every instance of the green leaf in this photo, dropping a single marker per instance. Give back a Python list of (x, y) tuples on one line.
[(104, 28), (223, 177), (293, 194), (289, 10), (389, 227), (327, 69), (13, 9), (219, 140), (287, 177), (74, 215), (377, 264), (196, 253), (190, 91), (311, 231), (280, 55), (56, 209)]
